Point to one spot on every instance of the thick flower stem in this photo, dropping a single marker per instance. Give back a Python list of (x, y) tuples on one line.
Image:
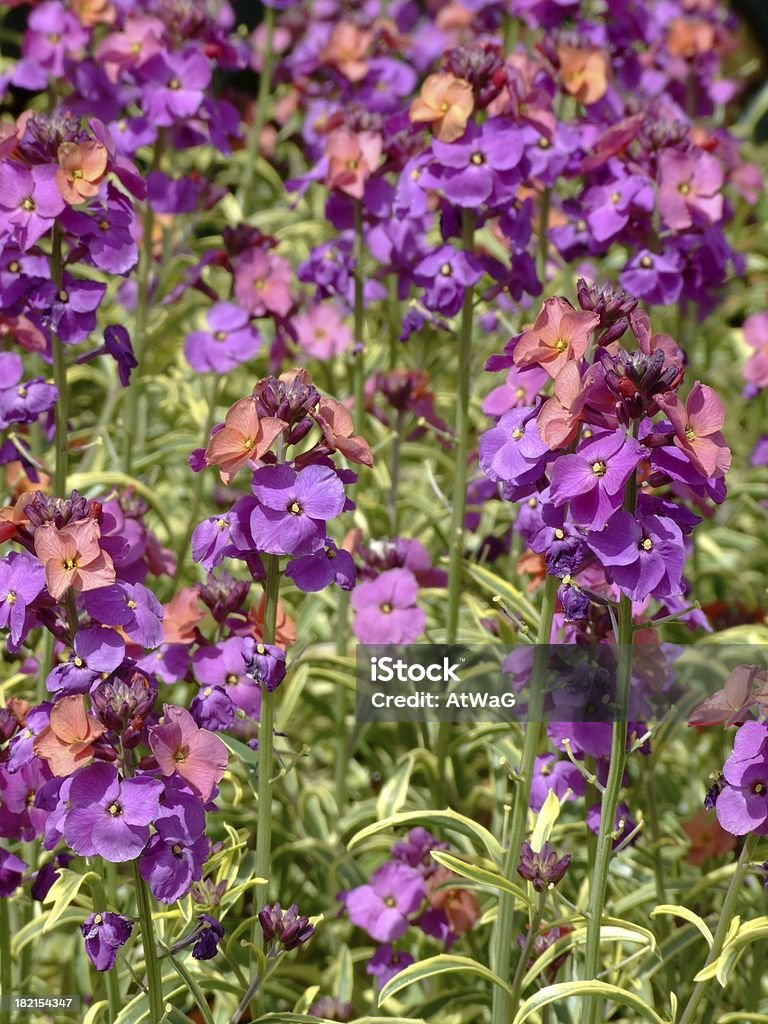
[(141, 316), (266, 745), (197, 487), (60, 378), (260, 114), (690, 1015), (501, 947), (359, 324), (6, 977), (154, 973), (525, 954), (543, 254), (462, 440)]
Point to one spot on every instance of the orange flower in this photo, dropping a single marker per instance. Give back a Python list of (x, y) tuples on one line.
[(94, 12), (584, 72), (81, 169), (67, 743), (559, 334), (336, 424), (243, 439), (445, 102), (708, 838), (346, 50), (459, 905), (72, 557), (285, 629), (690, 37), (351, 159)]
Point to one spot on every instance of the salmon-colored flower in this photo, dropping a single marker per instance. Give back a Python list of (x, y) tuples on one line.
[(94, 12), (197, 755), (698, 427), (285, 627), (445, 102), (243, 439), (82, 166), (559, 334), (690, 37), (558, 420), (352, 157), (336, 424), (182, 614), (460, 906), (72, 557), (67, 743), (584, 71), (346, 49), (708, 838)]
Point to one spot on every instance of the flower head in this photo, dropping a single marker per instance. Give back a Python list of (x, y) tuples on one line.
[(199, 757), (446, 103), (68, 742), (104, 934), (244, 438), (72, 557)]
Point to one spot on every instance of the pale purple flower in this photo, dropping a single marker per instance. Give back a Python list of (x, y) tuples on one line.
[(95, 650), (385, 609), (104, 934), (22, 578), (131, 606), (593, 478), (292, 508), (230, 341), (177, 852), (382, 907)]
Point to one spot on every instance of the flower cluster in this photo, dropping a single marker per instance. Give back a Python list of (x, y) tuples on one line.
[(410, 889)]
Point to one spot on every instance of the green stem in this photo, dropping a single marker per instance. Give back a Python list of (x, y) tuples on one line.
[(197, 486), (462, 440), (141, 316), (196, 992), (266, 746), (6, 976), (260, 114), (100, 905), (544, 206), (394, 473), (724, 923), (501, 948), (359, 324), (60, 377), (525, 954), (154, 973)]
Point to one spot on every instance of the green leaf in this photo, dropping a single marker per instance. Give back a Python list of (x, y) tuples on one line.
[(346, 975), (440, 819), (624, 932), (740, 935), (687, 915), (33, 930), (585, 990), (241, 751), (513, 597), (483, 876), (445, 963), (61, 894), (96, 1011), (545, 820), (394, 792)]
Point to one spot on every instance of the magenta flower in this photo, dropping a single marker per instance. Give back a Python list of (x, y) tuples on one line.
[(329, 565), (230, 341), (385, 609), (133, 607), (321, 332), (386, 962), (690, 189), (109, 817), (199, 757), (611, 206), (221, 666), (95, 650), (292, 508), (655, 277), (22, 401), (174, 85), (480, 167), (513, 451), (30, 201), (644, 556), (104, 934), (262, 283), (22, 578), (593, 478), (742, 804), (382, 907)]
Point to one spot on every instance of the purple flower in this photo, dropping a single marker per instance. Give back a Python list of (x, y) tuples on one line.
[(623, 823), (131, 606), (175, 85), (292, 508), (329, 565), (105, 231), (22, 402), (95, 650), (222, 666), (542, 868), (22, 578), (386, 962), (655, 278), (690, 189), (593, 478), (742, 804), (177, 852), (104, 934), (30, 201), (287, 927), (212, 708), (513, 451), (558, 776), (611, 206), (382, 906), (445, 274), (644, 556), (480, 167), (230, 341), (11, 871), (110, 817), (385, 609), (264, 663), (212, 542), (117, 343), (415, 851), (210, 932)]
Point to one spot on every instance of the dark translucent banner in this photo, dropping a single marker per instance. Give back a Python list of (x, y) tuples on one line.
[(702, 683)]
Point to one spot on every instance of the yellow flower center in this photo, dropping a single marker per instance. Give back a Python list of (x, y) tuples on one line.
[(21, 391), (220, 335), (646, 262), (683, 188), (294, 508), (616, 198), (445, 270), (517, 434), (561, 345), (114, 809), (386, 607), (646, 544), (70, 564), (477, 159), (28, 204), (559, 535), (10, 597), (598, 468), (690, 433), (174, 84)]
